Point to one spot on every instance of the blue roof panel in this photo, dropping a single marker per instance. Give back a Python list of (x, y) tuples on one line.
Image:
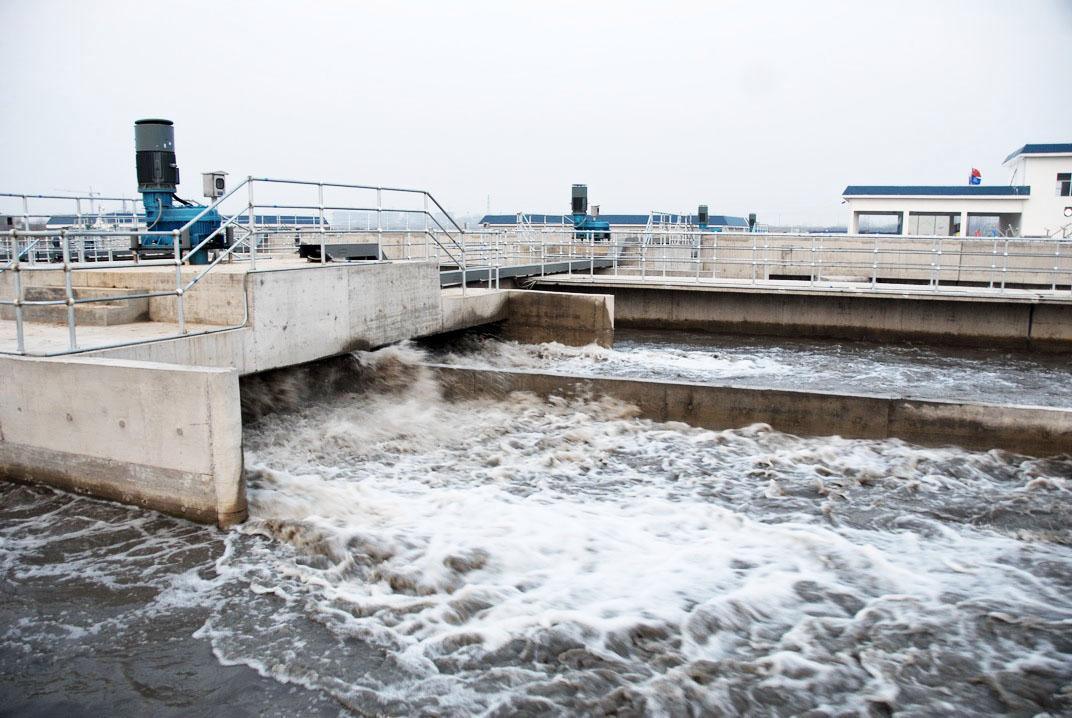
[(936, 190), (1042, 149)]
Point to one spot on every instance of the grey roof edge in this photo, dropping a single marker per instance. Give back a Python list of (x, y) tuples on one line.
[(1051, 148), (936, 191)]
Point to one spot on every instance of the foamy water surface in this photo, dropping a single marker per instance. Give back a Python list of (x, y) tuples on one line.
[(409, 556), (988, 375)]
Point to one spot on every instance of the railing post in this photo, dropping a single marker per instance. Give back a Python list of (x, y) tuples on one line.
[(1005, 265), (874, 266), (379, 208), (569, 257), (323, 251), (72, 341), (251, 224), (937, 245), (427, 237), (664, 257), (643, 258), (753, 258), (20, 338), (714, 255), (543, 255), (26, 223), (699, 249), (1056, 264), (813, 261), (819, 274), (591, 256), (993, 264), (766, 256), (180, 308)]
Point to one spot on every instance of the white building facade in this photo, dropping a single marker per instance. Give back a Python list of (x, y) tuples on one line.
[(1037, 202)]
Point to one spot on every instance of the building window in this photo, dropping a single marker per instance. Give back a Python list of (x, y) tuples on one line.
[(1064, 184)]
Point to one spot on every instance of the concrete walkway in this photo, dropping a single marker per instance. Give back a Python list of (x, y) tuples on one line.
[(824, 288), (45, 339)]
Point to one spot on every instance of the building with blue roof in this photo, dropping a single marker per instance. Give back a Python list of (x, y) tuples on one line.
[(1037, 201)]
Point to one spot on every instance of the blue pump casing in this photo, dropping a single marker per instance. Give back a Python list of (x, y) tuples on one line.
[(589, 227), (162, 215), (158, 175)]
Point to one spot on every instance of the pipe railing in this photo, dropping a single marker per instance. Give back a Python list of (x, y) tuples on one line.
[(88, 243), (1044, 265)]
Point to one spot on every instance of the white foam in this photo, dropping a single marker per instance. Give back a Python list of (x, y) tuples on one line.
[(450, 534)]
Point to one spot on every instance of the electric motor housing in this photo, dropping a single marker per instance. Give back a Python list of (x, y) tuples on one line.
[(579, 200), (154, 147)]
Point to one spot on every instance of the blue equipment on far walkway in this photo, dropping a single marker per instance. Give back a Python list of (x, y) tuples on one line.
[(587, 226), (158, 175)]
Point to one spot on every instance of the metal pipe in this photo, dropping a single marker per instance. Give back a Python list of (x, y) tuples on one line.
[(72, 342), (252, 227), (20, 338), (323, 252), (179, 299)]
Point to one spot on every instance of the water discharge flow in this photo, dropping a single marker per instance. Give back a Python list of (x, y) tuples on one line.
[(406, 555)]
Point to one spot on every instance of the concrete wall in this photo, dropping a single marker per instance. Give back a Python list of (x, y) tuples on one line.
[(535, 317), (303, 313), (1028, 430), (216, 299), (1037, 325), (159, 436)]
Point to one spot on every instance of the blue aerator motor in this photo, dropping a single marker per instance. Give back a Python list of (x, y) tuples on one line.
[(585, 225), (158, 176)]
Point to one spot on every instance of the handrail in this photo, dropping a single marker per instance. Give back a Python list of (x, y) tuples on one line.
[(214, 205), (73, 196), (15, 258), (380, 188), (81, 248)]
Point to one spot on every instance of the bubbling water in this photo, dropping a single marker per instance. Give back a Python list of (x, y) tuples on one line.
[(413, 556), (901, 370)]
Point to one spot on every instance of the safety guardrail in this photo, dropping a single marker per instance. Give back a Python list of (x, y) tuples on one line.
[(269, 222), (940, 264), (99, 236)]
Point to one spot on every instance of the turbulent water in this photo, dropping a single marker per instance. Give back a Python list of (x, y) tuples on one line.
[(900, 369), (410, 556)]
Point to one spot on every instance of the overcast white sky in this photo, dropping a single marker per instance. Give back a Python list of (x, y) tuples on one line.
[(770, 107)]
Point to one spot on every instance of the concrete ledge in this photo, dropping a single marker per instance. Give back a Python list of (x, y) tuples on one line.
[(160, 436), (967, 321), (533, 317), (575, 319), (1034, 431)]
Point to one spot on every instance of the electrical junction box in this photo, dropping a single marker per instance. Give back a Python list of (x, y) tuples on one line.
[(213, 184)]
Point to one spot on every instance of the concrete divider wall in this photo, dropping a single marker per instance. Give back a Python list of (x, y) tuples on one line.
[(533, 316), (160, 436), (783, 312), (1035, 431), (574, 319)]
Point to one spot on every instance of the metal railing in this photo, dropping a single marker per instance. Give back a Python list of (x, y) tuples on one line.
[(271, 219), (879, 262), (98, 236)]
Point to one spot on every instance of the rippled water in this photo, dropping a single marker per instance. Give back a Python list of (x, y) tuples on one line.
[(409, 556), (854, 367)]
